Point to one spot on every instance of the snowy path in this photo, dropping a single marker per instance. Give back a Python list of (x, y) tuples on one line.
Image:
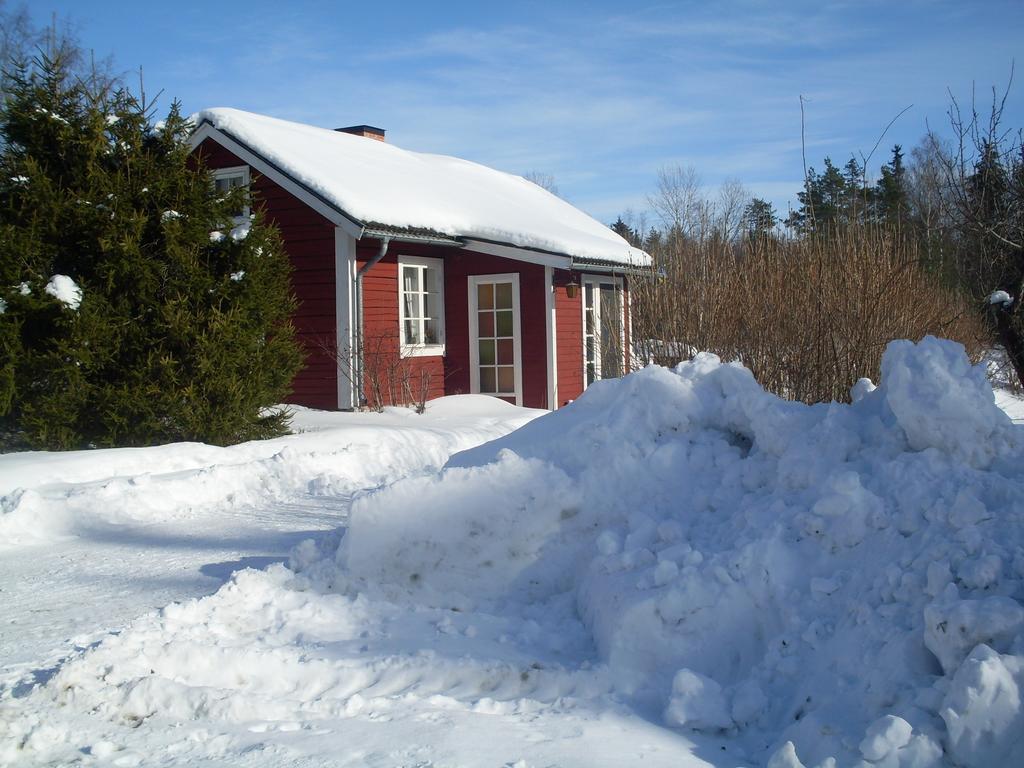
[(71, 593)]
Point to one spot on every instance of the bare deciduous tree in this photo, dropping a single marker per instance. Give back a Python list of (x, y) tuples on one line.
[(542, 180)]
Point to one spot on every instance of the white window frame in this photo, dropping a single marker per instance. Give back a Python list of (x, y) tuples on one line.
[(596, 280), (474, 333), (231, 172), (421, 350)]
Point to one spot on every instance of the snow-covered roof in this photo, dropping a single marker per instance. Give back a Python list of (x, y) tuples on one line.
[(381, 185)]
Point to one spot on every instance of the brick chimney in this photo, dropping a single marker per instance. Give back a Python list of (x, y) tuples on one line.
[(364, 130)]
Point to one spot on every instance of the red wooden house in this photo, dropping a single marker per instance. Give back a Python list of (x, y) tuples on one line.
[(423, 274)]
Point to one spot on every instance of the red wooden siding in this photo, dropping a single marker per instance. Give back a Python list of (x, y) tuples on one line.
[(309, 241), (450, 375), (383, 364), (568, 338)]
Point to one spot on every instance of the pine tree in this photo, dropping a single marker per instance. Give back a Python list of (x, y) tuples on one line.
[(136, 310), (890, 193), (626, 232), (759, 218)]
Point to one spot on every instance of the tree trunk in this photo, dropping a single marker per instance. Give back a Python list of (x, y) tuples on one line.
[(1010, 336)]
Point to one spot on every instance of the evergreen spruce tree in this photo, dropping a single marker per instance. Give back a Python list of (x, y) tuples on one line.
[(890, 193), (759, 218), (626, 232), (135, 308)]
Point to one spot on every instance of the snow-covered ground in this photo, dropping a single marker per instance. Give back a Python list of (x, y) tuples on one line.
[(679, 569)]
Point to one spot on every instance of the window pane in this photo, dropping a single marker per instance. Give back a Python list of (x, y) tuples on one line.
[(589, 348), (506, 379), (504, 322), (411, 303), (412, 332), (410, 278), (432, 331), (487, 380), (590, 373), (487, 352), (503, 296), (506, 352), (485, 324), (485, 296), (430, 281), (432, 305)]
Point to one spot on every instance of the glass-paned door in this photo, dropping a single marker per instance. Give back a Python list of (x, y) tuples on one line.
[(495, 345), (603, 331)]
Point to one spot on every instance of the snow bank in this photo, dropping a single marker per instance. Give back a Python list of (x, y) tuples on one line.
[(44, 494), (798, 585), (847, 578)]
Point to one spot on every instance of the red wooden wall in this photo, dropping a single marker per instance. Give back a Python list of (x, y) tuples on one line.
[(568, 339), (450, 375), (381, 359), (309, 241)]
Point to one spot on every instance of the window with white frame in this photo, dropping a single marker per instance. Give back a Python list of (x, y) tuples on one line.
[(227, 179), (421, 305)]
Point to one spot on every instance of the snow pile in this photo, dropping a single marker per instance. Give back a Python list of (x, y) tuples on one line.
[(44, 494), (1002, 298), (845, 577), (381, 184), (775, 584)]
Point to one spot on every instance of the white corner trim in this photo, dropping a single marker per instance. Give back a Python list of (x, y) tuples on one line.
[(207, 131), (344, 288), (549, 305)]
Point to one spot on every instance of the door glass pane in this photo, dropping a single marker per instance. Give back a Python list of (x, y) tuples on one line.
[(486, 324), (487, 380), (485, 296), (506, 378), (611, 331), (504, 322), (503, 296), (487, 352), (506, 352)]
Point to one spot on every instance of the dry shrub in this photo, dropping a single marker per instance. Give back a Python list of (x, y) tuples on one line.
[(808, 317)]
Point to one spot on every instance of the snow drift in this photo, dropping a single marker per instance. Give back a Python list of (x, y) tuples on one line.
[(796, 585), (847, 578)]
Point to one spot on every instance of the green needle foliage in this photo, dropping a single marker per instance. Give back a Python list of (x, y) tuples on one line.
[(182, 331)]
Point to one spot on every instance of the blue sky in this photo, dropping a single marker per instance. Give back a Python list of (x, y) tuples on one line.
[(598, 95)]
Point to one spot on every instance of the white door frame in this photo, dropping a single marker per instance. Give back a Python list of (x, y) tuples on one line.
[(596, 281), (474, 331)]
